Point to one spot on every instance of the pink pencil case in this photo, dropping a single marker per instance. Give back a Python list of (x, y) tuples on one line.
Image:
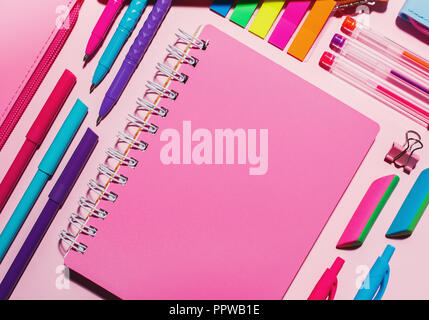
[(27, 30)]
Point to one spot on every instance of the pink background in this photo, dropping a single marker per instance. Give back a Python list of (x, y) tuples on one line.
[(408, 265)]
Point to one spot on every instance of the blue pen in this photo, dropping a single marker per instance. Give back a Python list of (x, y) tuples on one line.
[(125, 28), (375, 284), (45, 171)]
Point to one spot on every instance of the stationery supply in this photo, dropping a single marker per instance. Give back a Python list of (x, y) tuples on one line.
[(404, 156), (125, 28), (378, 65), (326, 288), (151, 225), (291, 18), (103, 25), (134, 56), (222, 7), (243, 12), (311, 28), (45, 171), (376, 87), (37, 51), (385, 46), (416, 12), (375, 284), (57, 197), (265, 18), (36, 135), (412, 210), (368, 211)]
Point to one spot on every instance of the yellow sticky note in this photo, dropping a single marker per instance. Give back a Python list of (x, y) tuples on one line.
[(311, 28), (265, 18)]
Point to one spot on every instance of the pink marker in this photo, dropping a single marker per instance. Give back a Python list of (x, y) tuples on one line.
[(36, 135), (327, 285), (102, 27)]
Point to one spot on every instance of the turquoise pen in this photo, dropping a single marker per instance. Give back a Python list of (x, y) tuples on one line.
[(45, 171), (125, 28)]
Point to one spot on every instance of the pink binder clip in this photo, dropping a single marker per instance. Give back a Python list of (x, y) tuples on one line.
[(404, 156)]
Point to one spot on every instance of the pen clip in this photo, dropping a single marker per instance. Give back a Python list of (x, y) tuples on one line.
[(383, 285), (333, 290)]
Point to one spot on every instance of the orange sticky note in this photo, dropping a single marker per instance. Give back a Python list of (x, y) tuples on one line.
[(311, 28)]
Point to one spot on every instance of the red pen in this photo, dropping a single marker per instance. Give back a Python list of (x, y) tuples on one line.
[(36, 134), (102, 27), (327, 285)]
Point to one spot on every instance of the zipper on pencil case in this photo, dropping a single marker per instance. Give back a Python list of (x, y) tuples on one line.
[(38, 74)]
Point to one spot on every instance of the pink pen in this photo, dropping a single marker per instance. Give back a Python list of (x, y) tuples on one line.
[(102, 27), (385, 46), (327, 285), (376, 87)]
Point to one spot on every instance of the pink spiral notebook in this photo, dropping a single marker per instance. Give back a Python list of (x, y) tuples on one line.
[(27, 29), (234, 188)]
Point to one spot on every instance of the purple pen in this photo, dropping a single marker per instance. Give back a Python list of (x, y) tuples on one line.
[(57, 197), (379, 66), (134, 56)]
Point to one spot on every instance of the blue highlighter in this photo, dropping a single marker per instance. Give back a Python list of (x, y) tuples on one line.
[(412, 210)]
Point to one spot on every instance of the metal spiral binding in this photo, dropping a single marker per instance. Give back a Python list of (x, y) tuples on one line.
[(77, 221), (111, 174), (147, 105)]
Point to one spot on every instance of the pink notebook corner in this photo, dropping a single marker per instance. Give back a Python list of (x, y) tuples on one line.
[(186, 230)]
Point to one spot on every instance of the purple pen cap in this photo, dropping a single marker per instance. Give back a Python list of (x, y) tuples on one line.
[(74, 167), (327, 60), (337, 42)]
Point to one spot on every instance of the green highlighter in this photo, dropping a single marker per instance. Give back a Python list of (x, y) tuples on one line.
[(45, 171)]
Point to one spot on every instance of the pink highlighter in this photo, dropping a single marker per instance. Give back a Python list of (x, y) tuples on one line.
[(102, 27), (327, 285), (368, 211)]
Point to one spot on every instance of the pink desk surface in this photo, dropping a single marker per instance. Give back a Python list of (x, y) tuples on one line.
[(43, 277)]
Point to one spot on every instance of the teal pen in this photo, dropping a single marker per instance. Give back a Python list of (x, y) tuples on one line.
[(45, 171), (125, 28)]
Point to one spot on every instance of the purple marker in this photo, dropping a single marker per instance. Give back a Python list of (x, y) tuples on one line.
[(357, 54), (134, 56), (57, 197)]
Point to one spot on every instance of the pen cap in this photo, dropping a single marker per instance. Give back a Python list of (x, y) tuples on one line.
[(52, 106), (337, 42), (63, 138), (74, 167), (327, 61), (337, 265), (388, 252), (349, 25)]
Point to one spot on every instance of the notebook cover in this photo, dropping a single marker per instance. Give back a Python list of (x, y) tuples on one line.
[(26, 40), (226, 231)]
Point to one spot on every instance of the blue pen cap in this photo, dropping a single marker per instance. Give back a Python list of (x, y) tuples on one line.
[(63, 138), (388, 253)]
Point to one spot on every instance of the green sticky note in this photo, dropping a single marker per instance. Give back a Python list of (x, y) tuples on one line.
[(243, 12)]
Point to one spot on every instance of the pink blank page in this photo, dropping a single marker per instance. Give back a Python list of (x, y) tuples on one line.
[(213, 231)]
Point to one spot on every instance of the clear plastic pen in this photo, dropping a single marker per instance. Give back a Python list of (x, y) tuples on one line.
[(380, 89), (353, 51), (385, 46)]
